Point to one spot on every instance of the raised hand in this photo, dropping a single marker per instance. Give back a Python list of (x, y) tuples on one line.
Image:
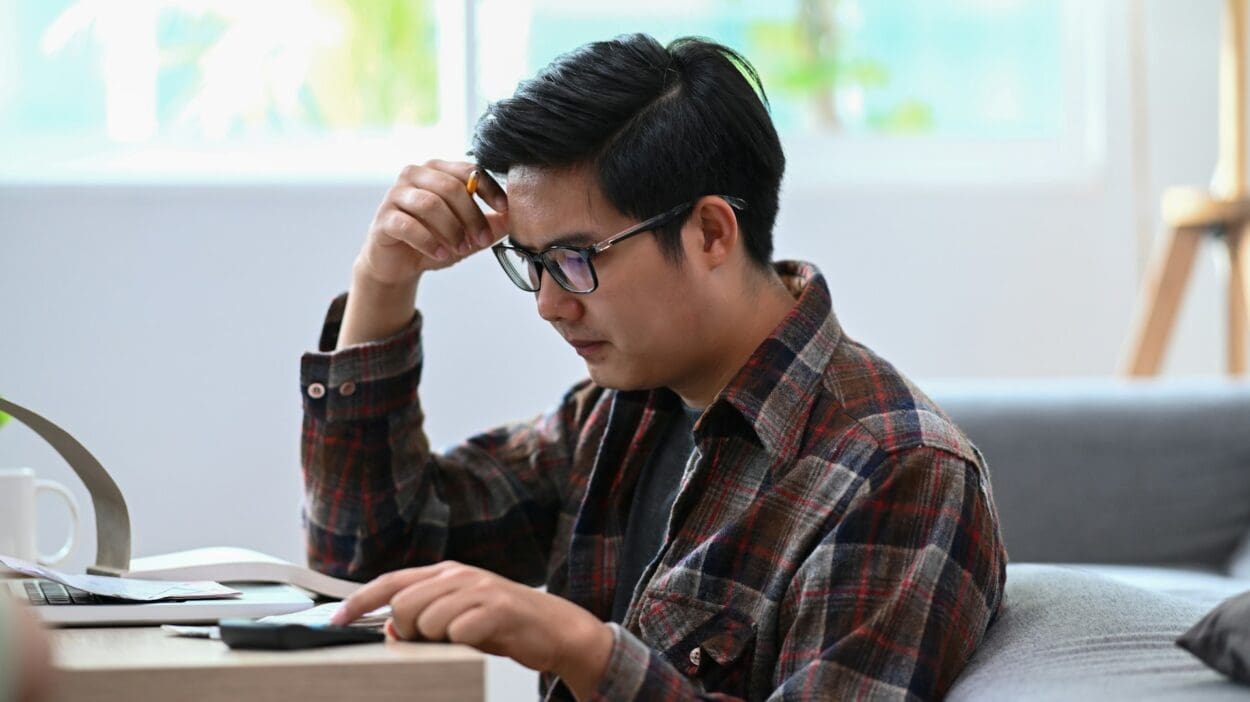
[(429, 220)]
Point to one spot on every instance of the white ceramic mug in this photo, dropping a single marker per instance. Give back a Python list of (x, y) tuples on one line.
[(18, 487)]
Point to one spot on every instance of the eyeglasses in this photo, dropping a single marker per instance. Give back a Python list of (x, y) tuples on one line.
[(571, 266)]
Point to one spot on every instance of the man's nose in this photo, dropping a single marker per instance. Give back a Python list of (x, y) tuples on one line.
[(555, 303)]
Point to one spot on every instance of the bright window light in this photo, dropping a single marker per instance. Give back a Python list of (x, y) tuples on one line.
[(862, 91)]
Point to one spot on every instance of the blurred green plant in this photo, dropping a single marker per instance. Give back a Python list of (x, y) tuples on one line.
[(224, 67), (386, 71), (808, 56)]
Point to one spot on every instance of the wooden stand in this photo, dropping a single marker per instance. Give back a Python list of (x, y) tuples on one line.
[(1190, 214)]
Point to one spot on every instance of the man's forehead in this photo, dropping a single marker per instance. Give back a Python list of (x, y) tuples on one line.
[(557, 206)]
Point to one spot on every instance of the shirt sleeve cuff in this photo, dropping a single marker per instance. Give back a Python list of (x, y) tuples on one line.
[(635, 672), (365, 381)]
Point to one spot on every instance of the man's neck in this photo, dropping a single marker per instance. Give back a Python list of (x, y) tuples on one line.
[(745, 324)]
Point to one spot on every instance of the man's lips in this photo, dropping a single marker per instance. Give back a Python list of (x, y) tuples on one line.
[(584, 346)]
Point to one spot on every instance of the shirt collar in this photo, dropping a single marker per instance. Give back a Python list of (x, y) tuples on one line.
[(775, 388)]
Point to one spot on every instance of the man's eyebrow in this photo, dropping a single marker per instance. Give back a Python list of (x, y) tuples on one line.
[(570, 239)]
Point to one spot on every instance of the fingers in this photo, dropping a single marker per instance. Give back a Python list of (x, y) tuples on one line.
[(483, 184), (475, 626), (422, 610), (442, 201), (431, 210), (467, 605), (443, 602), (431, 621), (451, 181), (397, 226), (378, 592), (425, 602)]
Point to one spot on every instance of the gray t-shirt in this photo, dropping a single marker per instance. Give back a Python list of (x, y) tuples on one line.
[(653, 501)]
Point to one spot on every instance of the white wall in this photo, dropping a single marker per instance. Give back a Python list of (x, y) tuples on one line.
[(163, 325)]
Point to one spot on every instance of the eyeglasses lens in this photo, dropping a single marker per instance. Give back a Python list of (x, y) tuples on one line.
[(572, 268), (523, 271)]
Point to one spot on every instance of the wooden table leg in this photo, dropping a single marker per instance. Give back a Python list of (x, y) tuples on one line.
[(1166, 276), (1238, 299)]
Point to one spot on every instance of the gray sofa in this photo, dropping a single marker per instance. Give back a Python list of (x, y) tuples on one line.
[(1126, 510)]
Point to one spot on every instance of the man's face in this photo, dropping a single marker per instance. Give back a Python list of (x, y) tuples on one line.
[(639, 329)]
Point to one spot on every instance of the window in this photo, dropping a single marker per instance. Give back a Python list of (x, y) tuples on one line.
[(865, 90), (869, 91), (215, 89)]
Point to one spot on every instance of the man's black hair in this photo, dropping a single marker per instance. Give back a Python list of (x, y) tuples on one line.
[(660, 125)]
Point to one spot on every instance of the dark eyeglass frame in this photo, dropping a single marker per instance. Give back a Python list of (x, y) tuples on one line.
[(546, 261)]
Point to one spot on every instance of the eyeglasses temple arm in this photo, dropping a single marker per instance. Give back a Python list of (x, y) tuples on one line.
[(735, 202)]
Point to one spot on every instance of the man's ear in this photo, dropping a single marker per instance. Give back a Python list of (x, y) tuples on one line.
[(718, 234)]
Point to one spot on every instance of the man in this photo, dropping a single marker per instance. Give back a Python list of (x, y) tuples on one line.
[(740, 499)]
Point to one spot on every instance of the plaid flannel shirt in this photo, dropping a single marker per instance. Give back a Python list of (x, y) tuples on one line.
[(834, 535)]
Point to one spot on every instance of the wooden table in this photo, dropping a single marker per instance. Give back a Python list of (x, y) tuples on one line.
[(146, 663)]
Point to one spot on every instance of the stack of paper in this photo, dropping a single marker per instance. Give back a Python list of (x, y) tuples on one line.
[(232, 564), (125, 588)]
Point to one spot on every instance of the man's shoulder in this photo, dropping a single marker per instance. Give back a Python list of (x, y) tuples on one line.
[(871, 404)]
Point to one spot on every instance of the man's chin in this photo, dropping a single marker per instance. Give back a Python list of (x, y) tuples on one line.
[(605, 378)]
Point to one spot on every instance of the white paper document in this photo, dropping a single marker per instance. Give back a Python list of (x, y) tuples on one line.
[(226, 564), (321, 614), (124, 588)]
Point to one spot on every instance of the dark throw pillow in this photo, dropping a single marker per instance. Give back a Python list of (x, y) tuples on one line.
[(1221, 639)]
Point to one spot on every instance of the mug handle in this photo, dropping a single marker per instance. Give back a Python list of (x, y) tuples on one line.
[(68, 546)]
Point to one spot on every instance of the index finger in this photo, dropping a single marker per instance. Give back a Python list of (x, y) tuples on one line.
[(377, 592), (487, 188)]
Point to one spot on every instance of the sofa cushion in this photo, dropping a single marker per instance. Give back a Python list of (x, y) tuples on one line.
[(1106, 471), (1070, 634), (1207, 587)]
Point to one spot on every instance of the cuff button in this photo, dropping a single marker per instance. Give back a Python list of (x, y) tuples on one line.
[(316, 391), (347, 389), (696, 659)]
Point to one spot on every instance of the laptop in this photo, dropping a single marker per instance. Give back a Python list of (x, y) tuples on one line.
[(59, 605)]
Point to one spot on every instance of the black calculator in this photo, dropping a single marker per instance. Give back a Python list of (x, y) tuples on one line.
[(252, 634)]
